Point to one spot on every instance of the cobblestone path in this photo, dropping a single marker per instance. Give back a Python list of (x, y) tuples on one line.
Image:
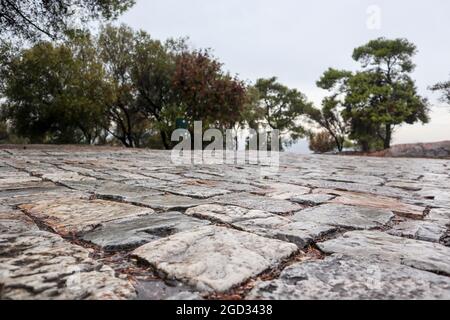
[(104, 223)]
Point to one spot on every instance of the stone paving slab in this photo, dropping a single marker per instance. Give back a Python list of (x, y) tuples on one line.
[(379, 202), (34, 195), (15, 222), (256, 202), (19, 181), (36, 264), (420, 230), (158, 290), (134, 232), (283, 191), (194, 191), (222, 185), (312, 199), (72, 216), (263, 223), (439, 215), (406, 185), (166, 202), (110, 189), (214, 258), (374, 244), (345, 216), (35, 187), (343, 278)]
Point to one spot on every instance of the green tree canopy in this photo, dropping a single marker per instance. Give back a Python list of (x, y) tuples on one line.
[(330, 118), (381, 96), (32, 19), (52, 94), (152, 73), (205, 92), (120, 83), (387, 88), (283, 107), (443, 87), (330, 115), (116, 46)]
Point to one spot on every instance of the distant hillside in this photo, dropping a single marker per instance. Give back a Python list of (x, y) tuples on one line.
[(418, 150)]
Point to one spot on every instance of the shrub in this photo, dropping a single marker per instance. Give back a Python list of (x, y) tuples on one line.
[(321, 142)]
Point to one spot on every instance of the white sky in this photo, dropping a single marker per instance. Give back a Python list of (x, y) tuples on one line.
[(297, 40)]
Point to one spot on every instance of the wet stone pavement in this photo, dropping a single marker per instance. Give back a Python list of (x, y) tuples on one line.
[(105, 223)]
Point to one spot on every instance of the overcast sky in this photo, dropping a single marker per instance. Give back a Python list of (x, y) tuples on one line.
[(298, 40)]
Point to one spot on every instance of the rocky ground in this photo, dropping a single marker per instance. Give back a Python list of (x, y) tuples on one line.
[(99, 223), (440, 150)]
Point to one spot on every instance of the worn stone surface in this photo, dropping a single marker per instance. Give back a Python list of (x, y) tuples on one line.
[(344, 278), (441, 216), (41, 265), (262, 223), (19, 180), (420, 230), (122, 192), (131, 233), (406, 185), (35, 187), (15, 222), (418, 254), (379, 202), (71, 216), (345, 216), (312, 199), (214, 258), (159, 290), (194, 191), (257, 202), (233, 214), (166, 202), (283, 191), (220, 184), (216, 226)]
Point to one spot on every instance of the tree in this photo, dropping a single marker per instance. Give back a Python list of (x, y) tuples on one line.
[(152, 73), (203, 91), (252, 114), (390, 93), (120, 84), (94, 89), (154, 84), (381, 96), (51, 95), (322, 142), (444, 87), (33, 19), (330, 116), (283, 107), (117, 50)]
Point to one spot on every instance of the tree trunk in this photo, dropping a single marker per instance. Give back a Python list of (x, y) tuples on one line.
[(365, 146), (339, 146), (164, 140), (130, 141), (124, 142), (388, 137)]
